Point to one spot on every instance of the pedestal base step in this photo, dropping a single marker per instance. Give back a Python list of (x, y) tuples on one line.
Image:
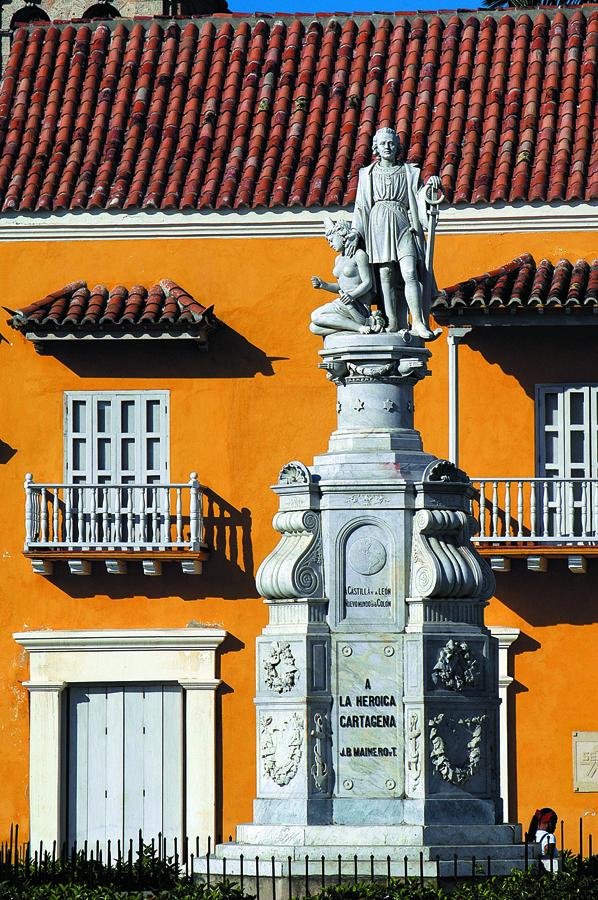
[(291, 875), (348, 837)]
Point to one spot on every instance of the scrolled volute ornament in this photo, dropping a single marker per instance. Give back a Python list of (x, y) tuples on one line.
[(294, 568), (444, 563)]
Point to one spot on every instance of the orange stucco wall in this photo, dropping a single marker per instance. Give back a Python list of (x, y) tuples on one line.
[(238, 413)]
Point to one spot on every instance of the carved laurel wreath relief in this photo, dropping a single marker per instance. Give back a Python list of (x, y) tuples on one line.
[(280, 668), (281, 747), (438, 753), (456, 667)]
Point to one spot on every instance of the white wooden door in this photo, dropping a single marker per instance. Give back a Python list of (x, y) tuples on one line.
[(125, 763), (567, 422)]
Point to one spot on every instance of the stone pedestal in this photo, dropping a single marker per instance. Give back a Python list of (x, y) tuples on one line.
[(377, 681)]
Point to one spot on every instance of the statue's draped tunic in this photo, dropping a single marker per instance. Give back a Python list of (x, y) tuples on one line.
[(388, 236)]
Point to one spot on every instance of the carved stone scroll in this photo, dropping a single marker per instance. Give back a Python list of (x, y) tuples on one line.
[(294, 568), (319, 769), (414, 762), (444, 563)]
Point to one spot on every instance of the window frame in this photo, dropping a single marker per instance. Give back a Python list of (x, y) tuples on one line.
[(140, 435), (562, 468)]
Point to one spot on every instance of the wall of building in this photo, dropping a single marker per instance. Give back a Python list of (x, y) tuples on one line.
[(240, 411)]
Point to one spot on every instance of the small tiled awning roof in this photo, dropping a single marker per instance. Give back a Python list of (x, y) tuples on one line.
[(241, 111), (163, 310), (522, 291)]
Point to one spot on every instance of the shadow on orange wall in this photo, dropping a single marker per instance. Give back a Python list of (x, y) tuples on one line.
[(565, 599), (6, 453), (227, 574), (536, 355), (523, 644), (230, 355), (231, 644)]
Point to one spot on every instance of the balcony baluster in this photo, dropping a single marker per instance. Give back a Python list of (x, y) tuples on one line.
[(558, 511), (95, 517)]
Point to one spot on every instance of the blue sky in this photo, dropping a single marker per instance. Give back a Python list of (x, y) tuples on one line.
[(310, 6)]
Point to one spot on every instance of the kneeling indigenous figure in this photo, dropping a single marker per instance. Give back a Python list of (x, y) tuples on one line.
[(392, 211), (354, 285)]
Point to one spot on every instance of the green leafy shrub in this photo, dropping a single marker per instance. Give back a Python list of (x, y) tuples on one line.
[(149, 878)]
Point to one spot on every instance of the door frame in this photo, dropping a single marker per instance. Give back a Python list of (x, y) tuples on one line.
[(57, 659)]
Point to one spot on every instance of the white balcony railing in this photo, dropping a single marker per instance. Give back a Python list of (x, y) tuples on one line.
[(117, 516), (558, 511)]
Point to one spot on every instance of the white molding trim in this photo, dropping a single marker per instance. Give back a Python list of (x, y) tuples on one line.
[(105, 225), (126, 639), (60, 658), (505, 636)]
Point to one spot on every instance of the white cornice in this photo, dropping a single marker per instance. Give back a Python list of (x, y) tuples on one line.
[(505, 635), (127, 639), (277, 223)]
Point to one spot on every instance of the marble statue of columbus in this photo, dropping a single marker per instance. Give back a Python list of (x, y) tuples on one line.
[(389, 221)]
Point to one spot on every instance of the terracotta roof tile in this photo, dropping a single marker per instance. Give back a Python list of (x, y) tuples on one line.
[(236, 111), (75, 309), (522, 286)]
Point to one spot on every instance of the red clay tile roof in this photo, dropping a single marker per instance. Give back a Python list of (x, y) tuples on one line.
[(230, 112), (523, 287), (75, 309)]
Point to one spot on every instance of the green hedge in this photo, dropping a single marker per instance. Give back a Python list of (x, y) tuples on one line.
[(572, 883)]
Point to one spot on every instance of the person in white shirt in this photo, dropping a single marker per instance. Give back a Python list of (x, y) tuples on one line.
[(541, 831)]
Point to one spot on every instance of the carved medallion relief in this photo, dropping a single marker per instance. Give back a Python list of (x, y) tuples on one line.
[(367, 588)]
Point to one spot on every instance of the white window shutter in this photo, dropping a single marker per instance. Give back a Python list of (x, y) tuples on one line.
[(115, 436)]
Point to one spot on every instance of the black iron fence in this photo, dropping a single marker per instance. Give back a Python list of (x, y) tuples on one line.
[(161, 863)]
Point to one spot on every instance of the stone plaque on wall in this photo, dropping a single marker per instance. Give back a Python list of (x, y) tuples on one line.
[(585, 761), (368, 716)]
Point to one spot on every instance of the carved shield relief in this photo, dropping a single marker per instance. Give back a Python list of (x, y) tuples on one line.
[(281, 748)]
